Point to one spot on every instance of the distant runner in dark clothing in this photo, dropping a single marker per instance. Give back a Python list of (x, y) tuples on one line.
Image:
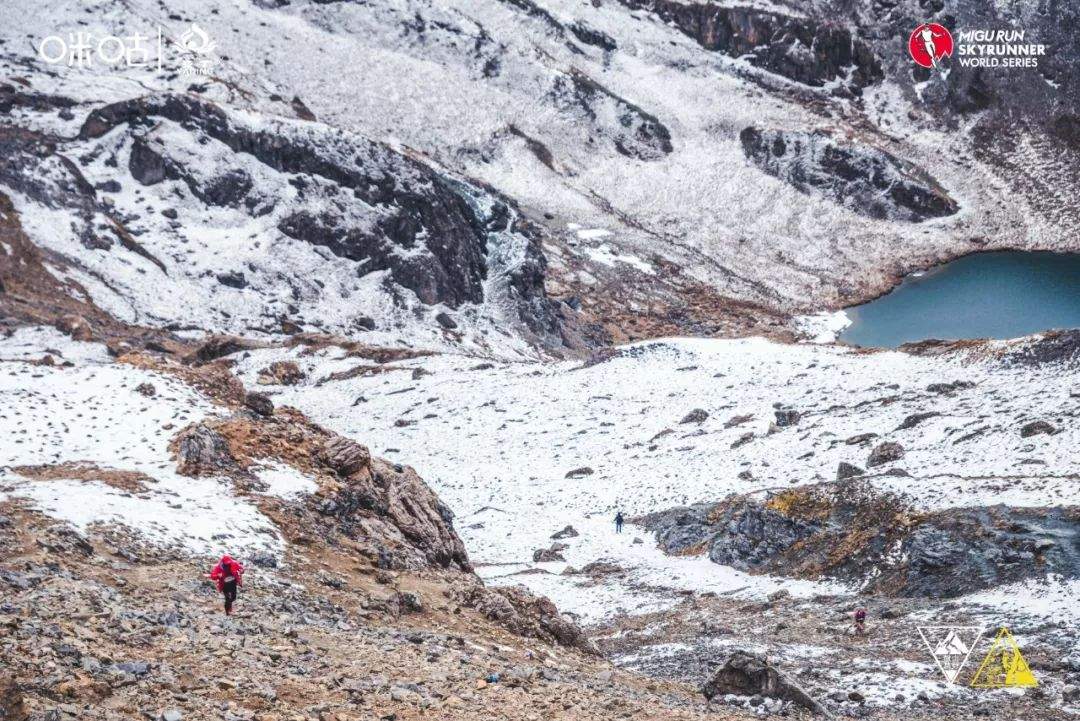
[(618, 522), (229, 575)]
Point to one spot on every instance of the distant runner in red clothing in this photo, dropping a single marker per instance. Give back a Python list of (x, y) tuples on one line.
[(229, 576)]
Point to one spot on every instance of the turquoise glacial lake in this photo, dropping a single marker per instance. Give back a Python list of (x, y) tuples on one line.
[(986, 295)]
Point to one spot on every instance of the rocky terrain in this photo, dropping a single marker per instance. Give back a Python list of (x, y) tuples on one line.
[(359, 601), (401, 302)]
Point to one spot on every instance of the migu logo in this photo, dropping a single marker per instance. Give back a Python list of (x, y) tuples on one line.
[(929, 43)]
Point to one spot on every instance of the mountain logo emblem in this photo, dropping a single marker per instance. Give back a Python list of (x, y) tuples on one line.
[(951, 647), (197, 40), (929, 43), (1004, 666)]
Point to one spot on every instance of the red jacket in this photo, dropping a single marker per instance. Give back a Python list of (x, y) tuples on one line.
[(225, 568)]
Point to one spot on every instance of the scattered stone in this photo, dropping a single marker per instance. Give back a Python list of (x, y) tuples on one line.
[(1036, 428), (885, 453), (743, 440), (259, 403), (446, 321), (579, 472), (787, 417), (847, 470), (915, 419), (547, 555), (233, 279), (949, 388), (568, 532), (146, 389), (282, 373), (698, 416)]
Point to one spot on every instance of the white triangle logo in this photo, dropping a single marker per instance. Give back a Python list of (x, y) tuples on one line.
[(951, 647)]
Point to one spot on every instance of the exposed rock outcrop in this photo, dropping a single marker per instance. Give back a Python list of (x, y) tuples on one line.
[(864, 179), (395, 213), (851, 532), (525, 614), (392, 506), (800, 49)]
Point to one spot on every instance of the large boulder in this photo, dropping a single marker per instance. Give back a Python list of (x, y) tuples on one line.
[(392, 505), (202, 451), (521, 612), (885, 453), (1036, 428), (847, 470), (747, 674)]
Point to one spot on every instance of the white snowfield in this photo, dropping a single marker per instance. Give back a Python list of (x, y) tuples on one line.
[(91, 413), (497, 443)]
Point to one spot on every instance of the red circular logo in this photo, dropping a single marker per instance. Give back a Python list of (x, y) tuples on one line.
[(929, 43)]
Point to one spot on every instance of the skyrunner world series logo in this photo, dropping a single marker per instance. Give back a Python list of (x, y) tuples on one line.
[(931, 43)]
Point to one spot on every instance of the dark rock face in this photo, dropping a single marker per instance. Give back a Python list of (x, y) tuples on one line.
[(384, 210), (445, 321), (848, 531), (145, 164), (747, 674), (800, 49), (864, 179), (1054, 347)]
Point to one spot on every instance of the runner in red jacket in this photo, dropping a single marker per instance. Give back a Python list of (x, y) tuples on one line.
[(229, 576)]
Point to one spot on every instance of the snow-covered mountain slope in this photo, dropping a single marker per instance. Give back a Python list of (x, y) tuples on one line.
[(87, 442), (520, 450), (232, 221), (544, 173)]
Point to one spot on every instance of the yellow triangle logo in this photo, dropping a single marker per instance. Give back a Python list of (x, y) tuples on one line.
[(1004, 666)]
